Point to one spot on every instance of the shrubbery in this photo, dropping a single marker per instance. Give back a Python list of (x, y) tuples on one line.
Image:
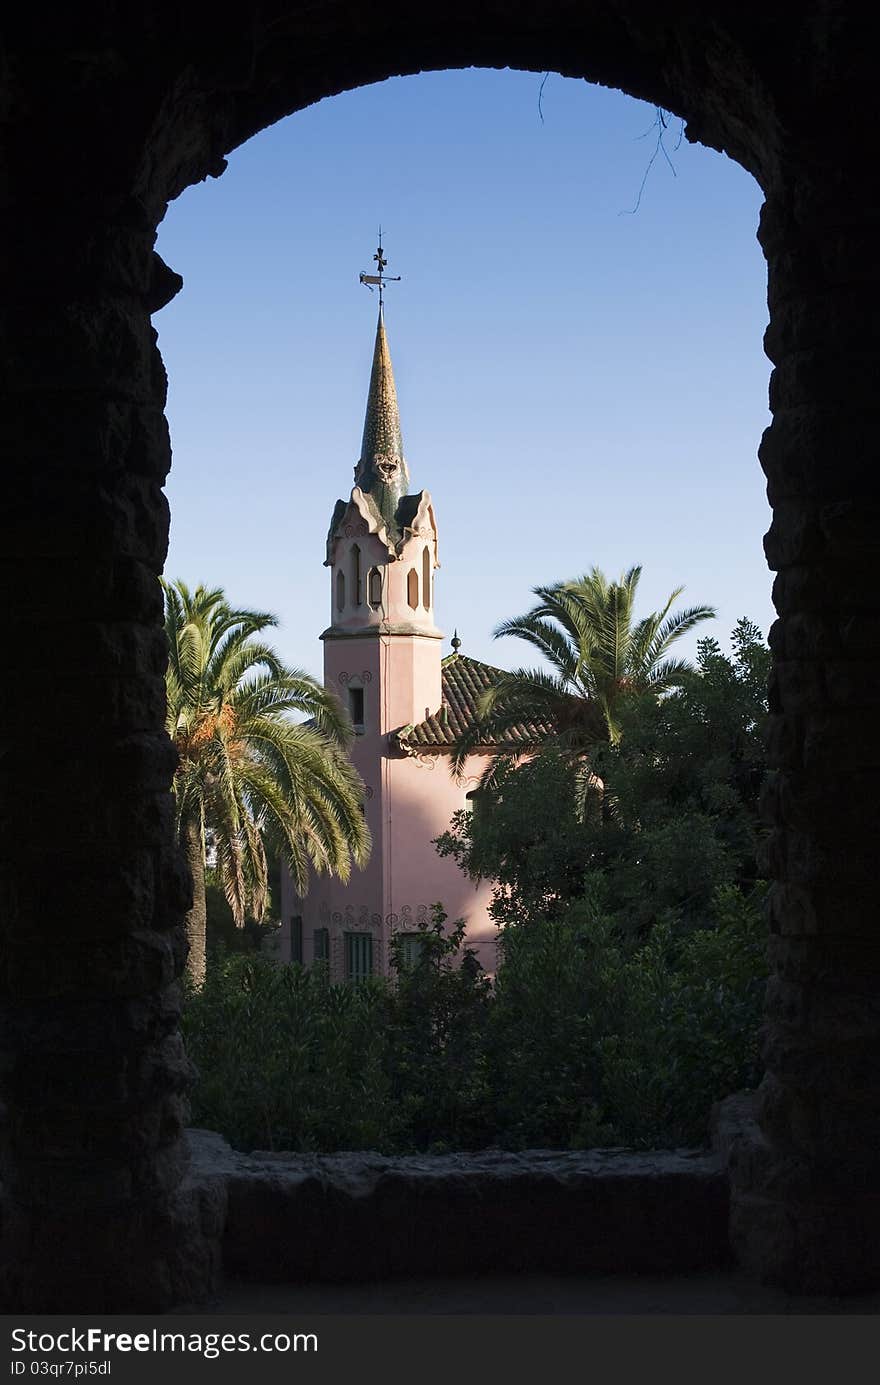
[(581, 1041), (629, 991)]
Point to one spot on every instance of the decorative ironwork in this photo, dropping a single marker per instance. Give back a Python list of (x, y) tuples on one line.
[(381, 279)]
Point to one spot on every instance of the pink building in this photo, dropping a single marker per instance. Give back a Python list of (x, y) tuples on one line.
[(383, 656)]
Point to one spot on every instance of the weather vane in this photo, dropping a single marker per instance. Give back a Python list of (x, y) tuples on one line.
[(380, 279)]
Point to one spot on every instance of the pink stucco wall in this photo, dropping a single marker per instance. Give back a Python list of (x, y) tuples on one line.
[(393, 652)]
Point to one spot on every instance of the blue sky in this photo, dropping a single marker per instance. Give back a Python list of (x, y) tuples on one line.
[(577, 385)]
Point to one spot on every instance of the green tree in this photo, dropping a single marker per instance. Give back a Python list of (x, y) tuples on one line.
[(681, 787), (248, 773), (525, 834), (600, 658)]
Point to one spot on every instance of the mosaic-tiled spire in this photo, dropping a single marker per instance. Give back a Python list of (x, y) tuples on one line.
[(381, 470)]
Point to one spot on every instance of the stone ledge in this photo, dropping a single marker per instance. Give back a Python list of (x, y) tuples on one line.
[(364, 1216)]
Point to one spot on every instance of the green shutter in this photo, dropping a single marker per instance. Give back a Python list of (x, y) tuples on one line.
[(411, 945), (321, 945), (358, 956)]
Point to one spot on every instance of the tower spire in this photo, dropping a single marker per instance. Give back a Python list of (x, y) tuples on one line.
[(381, 470)]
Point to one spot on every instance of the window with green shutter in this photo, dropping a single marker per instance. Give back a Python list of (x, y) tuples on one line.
[(358, 956), (321, 945), (410, 945)]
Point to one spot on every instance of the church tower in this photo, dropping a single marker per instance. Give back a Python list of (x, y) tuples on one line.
[(382, 553), (383, 659)]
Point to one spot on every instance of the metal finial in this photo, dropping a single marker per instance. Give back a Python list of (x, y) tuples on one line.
[(380, 279), (455, 642)]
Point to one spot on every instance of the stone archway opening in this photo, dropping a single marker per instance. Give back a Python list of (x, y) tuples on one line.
[(98, 1210), (527, 322), (279, 302)]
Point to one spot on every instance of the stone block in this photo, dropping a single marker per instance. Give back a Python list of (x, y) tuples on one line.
[(800, 685), (842, 385), (808, 1249), (135, 964), (836, 961), (794, 535), (103, 345), (843, 1072), (104, 898), (842, 741), (792, 1224), (340, 1216), (824, 910)]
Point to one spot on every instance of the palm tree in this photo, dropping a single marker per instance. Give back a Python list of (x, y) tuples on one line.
[(248, 773), (600, 658)]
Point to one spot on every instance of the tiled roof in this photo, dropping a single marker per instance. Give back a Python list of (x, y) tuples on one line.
[(463, 682)]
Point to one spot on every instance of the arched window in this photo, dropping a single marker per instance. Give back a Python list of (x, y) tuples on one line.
[(412, 588), (426, 578), (340, 590), (374, 587), (356, 593)]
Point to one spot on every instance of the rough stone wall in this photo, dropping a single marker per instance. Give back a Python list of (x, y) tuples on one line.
[(107, 112), (93, 888), (807, 1206)]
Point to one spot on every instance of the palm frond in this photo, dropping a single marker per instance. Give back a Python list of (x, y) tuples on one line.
[(247, 768), (600, 657)]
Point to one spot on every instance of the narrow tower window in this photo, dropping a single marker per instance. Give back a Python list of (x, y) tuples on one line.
[(426, 578), (356, 707), (356, 593), (340, 591), (375, 587), (412, 588), (296, 938)]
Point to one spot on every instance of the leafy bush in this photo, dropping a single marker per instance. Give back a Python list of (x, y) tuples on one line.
[(592, 1041), (629, 994), (287, 1061), (581, 1041), (685, 1027), (435, 1039)]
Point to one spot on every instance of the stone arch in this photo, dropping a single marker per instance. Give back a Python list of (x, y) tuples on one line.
[(93, 1023)]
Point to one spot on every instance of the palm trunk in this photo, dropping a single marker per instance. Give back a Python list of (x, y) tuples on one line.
[(195, 920)]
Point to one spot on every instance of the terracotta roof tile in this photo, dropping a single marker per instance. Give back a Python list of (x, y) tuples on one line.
[(464, 680)]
